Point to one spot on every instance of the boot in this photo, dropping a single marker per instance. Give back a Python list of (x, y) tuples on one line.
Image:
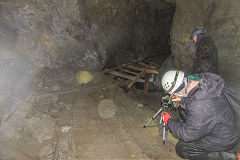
[(217, 156)]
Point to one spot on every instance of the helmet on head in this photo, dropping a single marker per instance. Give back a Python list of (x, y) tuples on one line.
[(173, 81), (197, 31)]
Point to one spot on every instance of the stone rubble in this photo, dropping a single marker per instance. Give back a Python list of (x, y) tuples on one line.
[(42, 128)]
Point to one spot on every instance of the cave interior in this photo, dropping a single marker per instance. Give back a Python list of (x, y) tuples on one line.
[(56, 101)]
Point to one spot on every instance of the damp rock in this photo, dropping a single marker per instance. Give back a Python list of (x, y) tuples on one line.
[(54, 109), (46, 99), (56, 87), (8, 131), (65, 105), (42, 128), (65, 129), (59, 106), (140, 105), (64, 156), (63, 143), (46, 152), (14, 124)]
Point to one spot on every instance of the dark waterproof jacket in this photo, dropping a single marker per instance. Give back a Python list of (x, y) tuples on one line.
[(206, 59), (210, 119)]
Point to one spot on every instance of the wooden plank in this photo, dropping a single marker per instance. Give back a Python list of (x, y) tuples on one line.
[(146, 65), (127, 71), (141, 69), (146, 84), (135, 80), (123, 65), (123, 75), (151, 63)]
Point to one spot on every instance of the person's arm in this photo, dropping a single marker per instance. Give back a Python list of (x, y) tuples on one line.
[(199, 122)]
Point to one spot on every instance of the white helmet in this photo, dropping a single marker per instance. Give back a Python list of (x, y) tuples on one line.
[(172, 81)]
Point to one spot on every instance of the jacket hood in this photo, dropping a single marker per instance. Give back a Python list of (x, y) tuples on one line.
[(210, 86)]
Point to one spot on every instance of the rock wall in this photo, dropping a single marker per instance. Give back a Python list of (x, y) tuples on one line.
[(84, 34), (221, 20), (38, 35)]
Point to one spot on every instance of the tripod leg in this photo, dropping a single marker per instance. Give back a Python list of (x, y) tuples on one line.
[(153, 117), (164, 133)]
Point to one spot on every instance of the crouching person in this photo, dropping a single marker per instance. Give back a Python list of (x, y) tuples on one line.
[(209, 129)]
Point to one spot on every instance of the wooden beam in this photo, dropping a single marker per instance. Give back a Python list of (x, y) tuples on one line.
[(127, 71), (142, 69), (147, 65), (151, 63), (123, 75), (135, 80), (146, 84)]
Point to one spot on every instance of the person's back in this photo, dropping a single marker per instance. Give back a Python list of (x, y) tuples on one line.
[(207, 102), (206, 59)]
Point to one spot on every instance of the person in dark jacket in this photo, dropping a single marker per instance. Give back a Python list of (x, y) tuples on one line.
[(206, 57), (209, 129)]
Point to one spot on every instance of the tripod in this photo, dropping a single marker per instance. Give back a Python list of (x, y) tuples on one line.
[(164, 125)]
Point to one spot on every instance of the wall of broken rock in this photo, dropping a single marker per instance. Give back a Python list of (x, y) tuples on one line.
[(221, 20), (89, 34), (36, 36)]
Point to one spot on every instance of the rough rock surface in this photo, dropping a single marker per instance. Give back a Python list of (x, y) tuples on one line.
[(79, 34), (46, 152), (42, 128), (76, 130), (87, 34)]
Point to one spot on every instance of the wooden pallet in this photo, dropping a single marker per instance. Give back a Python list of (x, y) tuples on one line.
[(138, 71)]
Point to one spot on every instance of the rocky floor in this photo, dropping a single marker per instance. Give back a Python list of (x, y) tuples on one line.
[(63, 119)]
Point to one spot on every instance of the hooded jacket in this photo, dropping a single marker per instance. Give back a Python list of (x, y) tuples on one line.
[(209, 119), (206, 59)]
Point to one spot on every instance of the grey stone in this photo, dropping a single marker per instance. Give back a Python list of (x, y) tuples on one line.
[(42, 128), (63, 143), (65, 129), (46, 151), (140, 105), (64, 156), (15, 123), (54, 109), (64, 105), (8, 131), (60, 105), (47, 99), (56, 87)]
